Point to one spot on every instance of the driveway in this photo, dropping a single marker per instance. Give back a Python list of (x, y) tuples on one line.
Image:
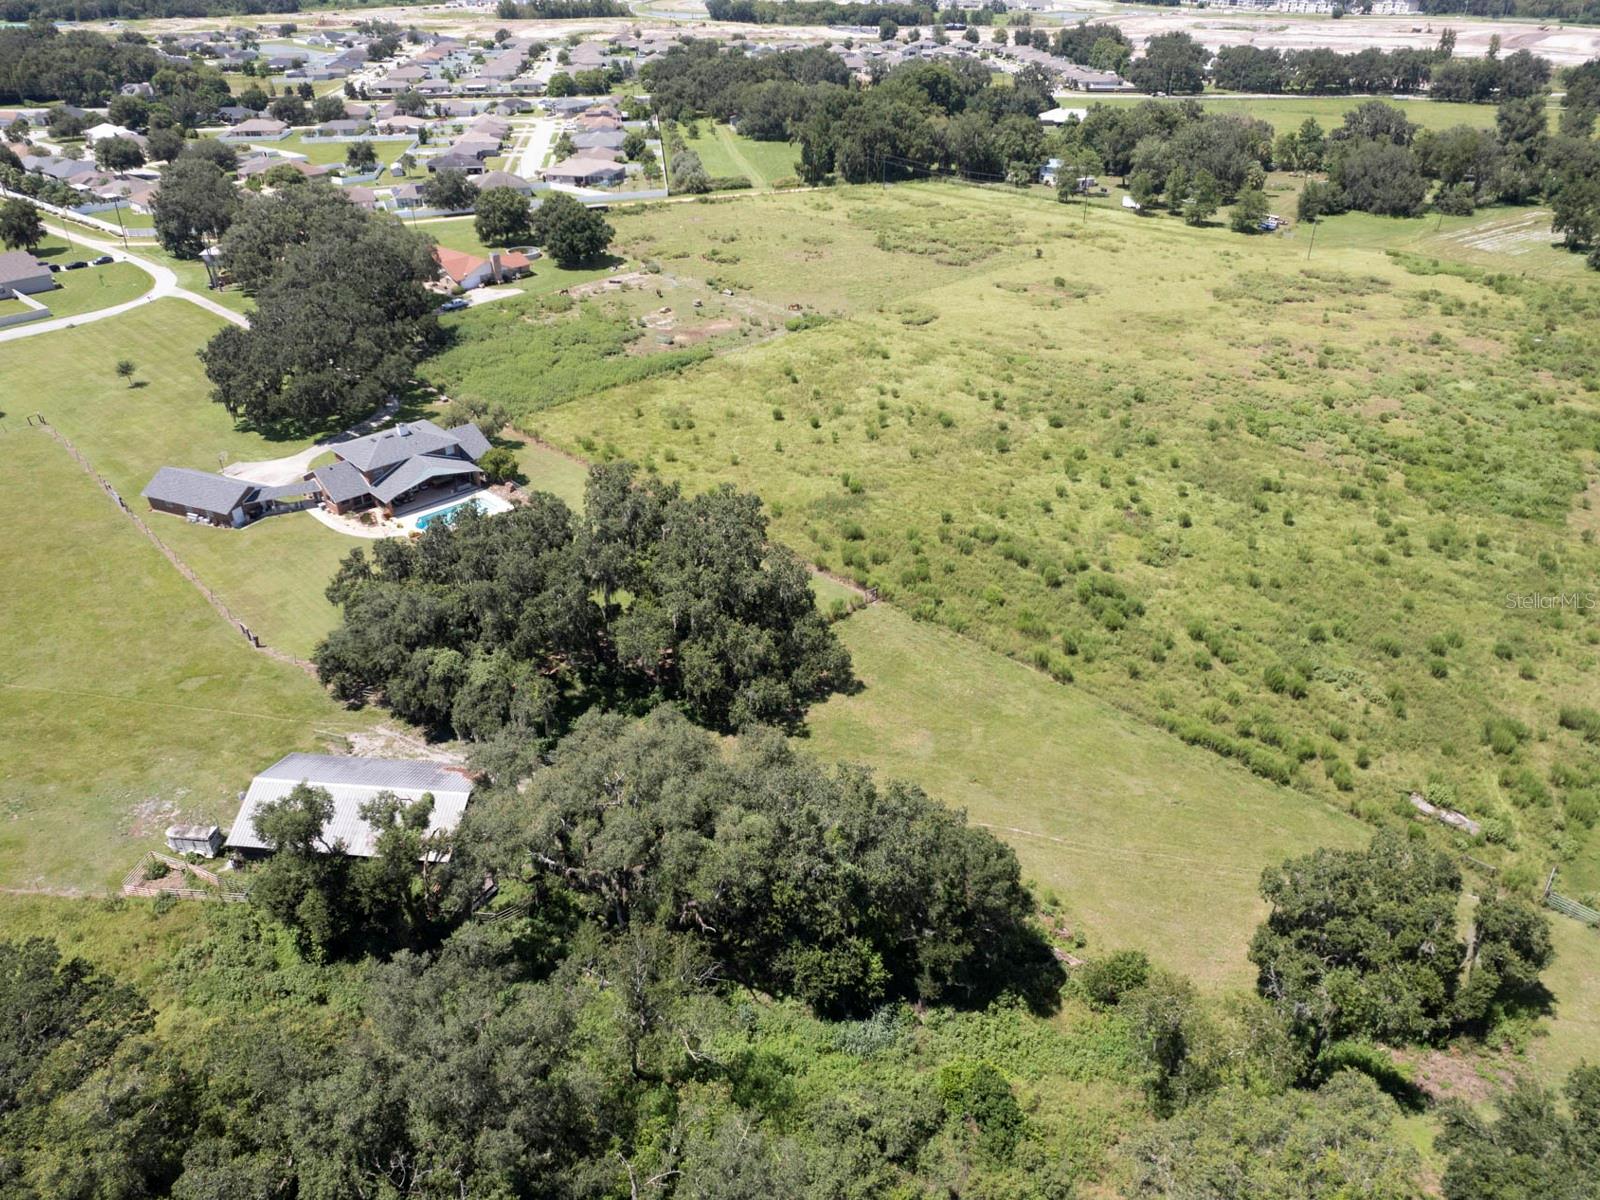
[(292, 468), (164, 283)]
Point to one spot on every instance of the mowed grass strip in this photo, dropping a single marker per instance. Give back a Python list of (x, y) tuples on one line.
[(1148, 842), (126, 702), (270, 574)]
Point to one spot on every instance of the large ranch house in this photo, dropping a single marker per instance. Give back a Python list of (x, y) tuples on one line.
[(407, 467), (408, 464)]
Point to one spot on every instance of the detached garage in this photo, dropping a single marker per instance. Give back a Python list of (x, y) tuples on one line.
[(185, 492)]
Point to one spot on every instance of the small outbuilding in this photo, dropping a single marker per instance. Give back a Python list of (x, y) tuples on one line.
[(185, 492), (194, 839)]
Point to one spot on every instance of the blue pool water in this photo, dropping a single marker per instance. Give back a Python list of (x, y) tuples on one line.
[(444, 514)]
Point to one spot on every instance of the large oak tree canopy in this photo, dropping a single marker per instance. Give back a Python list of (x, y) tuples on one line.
[(503, 627)]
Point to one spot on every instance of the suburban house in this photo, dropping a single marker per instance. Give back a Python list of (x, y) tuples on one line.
[(353, 782), (257, 129), (263, 163), (344, 128), (468, 271), (455, 161), (599, 139), (22, 273), (585, 171), (505, 179), (220, 499), (395, 467)]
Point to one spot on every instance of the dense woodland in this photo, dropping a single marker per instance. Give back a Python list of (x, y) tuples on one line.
[(1538, 10), (826, 12), (733, 973), (38, 63), (502, 630), (558, 10), (132, 10), (929, 118)]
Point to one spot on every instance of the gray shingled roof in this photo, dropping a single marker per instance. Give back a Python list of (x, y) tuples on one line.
[(391, 446), (341, 481), (599, 139), (199, 490), (352, 782), (18, 266), (470, 438), (419, 470), (501, 179)]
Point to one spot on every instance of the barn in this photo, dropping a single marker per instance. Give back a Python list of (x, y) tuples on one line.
[(352, 782)]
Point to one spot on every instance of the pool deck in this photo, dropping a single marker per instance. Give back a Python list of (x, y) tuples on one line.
[(406, 523)]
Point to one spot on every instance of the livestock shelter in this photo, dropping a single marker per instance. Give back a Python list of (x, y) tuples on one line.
[(352, 782)]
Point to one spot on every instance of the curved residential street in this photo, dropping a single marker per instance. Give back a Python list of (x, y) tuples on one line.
[(163, 283)]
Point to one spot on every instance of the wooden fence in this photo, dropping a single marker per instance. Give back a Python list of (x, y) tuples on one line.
[(137, 882), (167, 552)]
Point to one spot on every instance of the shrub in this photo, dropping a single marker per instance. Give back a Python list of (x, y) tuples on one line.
[(1503, 734), (499, 464), (1104, 981), (1581, 720)]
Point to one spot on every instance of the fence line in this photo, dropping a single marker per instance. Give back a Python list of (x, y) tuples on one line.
[(183, 568), (1566, 905), (135, 883)]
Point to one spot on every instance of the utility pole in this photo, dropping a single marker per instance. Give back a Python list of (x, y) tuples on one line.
[(1313, 238)]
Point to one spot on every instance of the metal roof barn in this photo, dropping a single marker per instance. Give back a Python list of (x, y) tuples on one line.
[(352, 782)]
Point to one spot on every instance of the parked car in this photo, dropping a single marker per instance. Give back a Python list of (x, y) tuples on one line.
[(52, 267), (101, 261), (455, 305), (75, 265)]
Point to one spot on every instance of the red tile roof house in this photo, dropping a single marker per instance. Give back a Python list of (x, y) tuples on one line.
[(468, 271), (409, 464)]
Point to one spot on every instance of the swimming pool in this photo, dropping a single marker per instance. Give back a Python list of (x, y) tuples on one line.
[(446, 513)]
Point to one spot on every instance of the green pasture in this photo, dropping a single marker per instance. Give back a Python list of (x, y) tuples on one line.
[(1272, 503), (271, 574), (725, 153), (129, 704), (84, 290), (1148, 843), (1284, 113)]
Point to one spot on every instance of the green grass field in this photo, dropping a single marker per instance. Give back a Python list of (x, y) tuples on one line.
[(1260, 530), (85, 290), (1289, 112), (326, 152), (128, 703), (1148, 842), (725, 153), (271, 573)]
